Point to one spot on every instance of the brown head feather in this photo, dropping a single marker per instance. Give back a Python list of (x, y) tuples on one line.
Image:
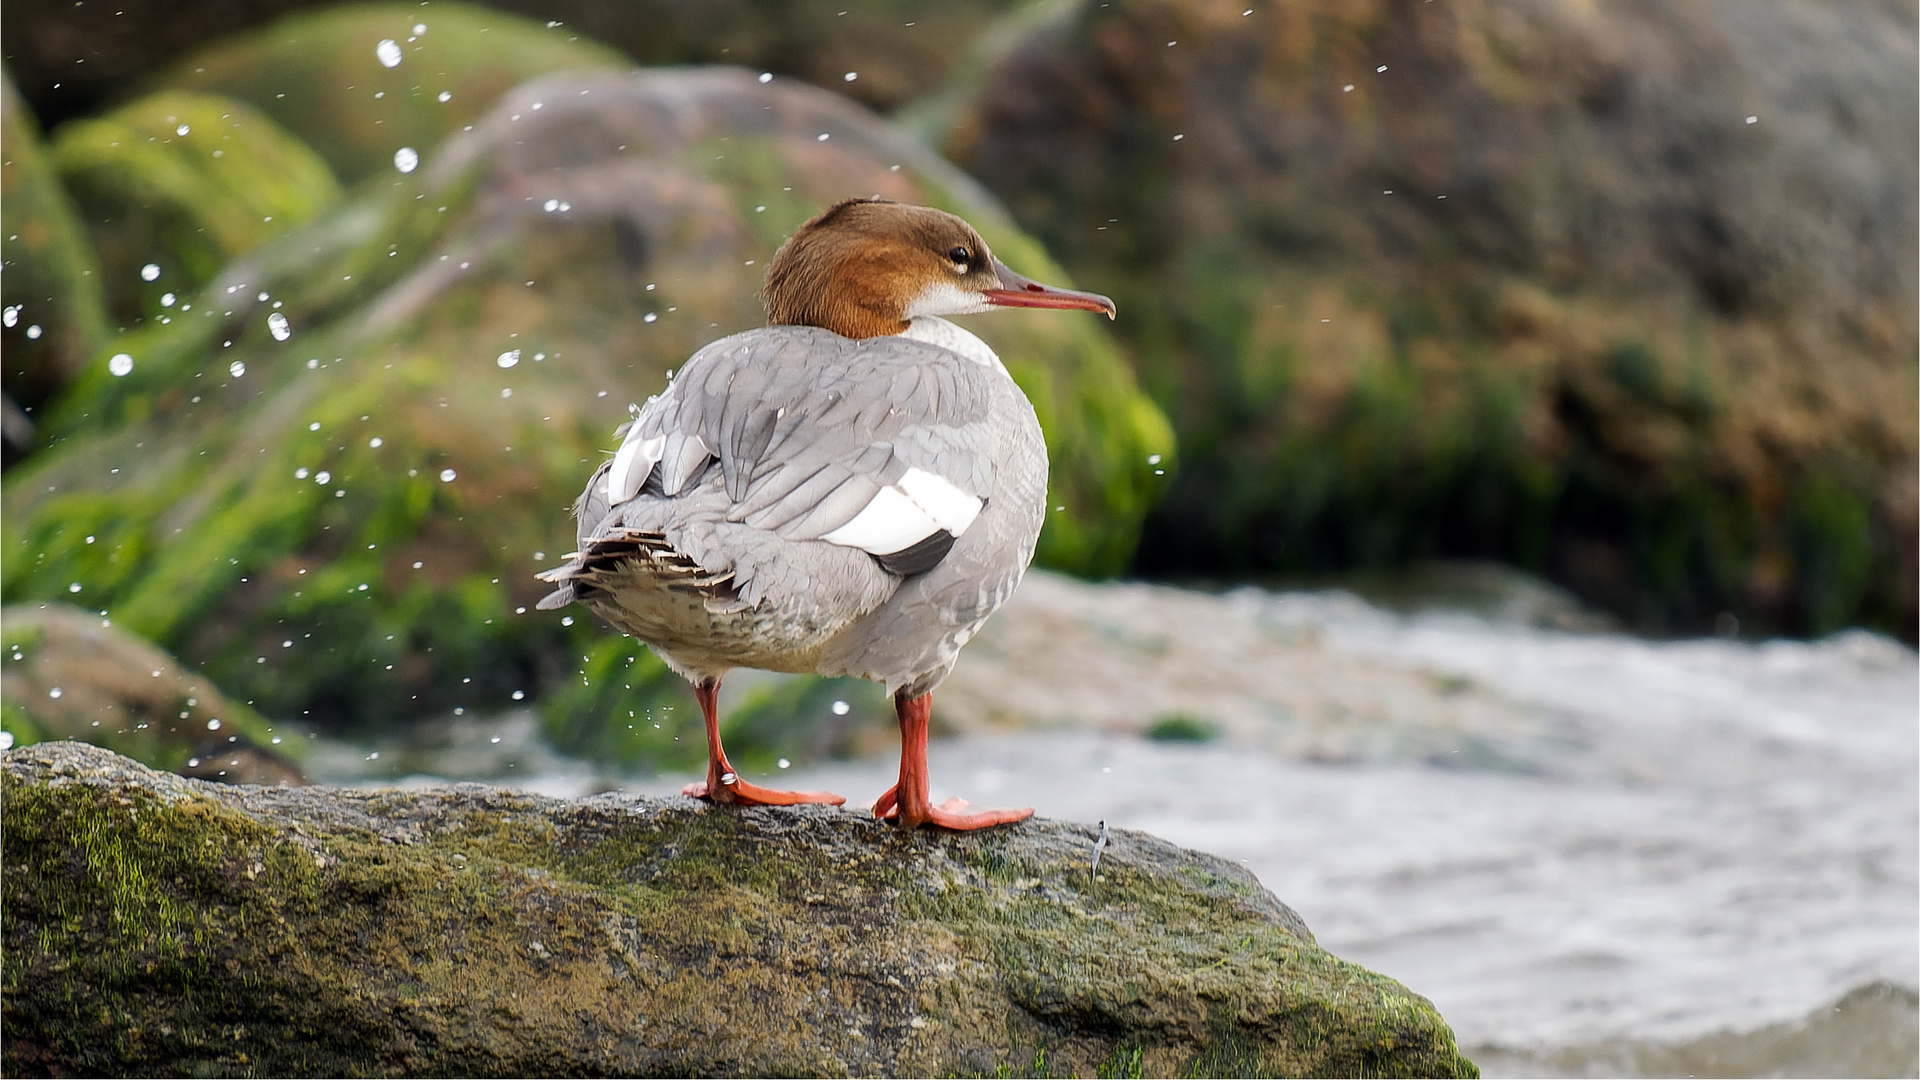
[(858, 266)]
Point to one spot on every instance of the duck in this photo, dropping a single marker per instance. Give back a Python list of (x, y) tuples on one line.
[(850, 490)]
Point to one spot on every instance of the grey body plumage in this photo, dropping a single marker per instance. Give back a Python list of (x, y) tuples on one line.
[(769, 442)]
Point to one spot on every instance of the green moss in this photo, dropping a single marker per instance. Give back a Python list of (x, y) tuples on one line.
[(296, 71), (1182, 728), (52, 273), (511, 935), (185, 182)]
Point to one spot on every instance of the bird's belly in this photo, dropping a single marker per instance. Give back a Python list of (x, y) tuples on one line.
[(682, 628)]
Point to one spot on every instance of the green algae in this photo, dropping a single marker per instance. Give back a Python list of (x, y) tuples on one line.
[(154, 924)]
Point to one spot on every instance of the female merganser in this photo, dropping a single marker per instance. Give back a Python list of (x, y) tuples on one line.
[(851, 490)]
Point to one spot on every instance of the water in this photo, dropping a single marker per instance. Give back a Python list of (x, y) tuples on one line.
[(1567, 840)]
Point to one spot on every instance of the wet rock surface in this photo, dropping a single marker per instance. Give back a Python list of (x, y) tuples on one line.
[(154, 923)]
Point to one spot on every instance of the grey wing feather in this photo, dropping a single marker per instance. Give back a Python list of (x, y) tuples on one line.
[(807, 426)]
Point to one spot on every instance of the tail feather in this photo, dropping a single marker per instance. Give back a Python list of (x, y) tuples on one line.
[(624, 554)]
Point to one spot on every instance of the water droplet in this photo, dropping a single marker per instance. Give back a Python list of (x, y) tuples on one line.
[(446, 95), (447, 475), (650, 317), (785, 764), (376, 442), (567, 621), (822, 137), (300, 473), (182, 130), (33, 332), (841, 708), (551, 205), (120, 364), (6, 740), (419, 29), (150, 272), (406, 159), (236, 369), (1153, 459), (55, 692), (75, 587), (1381, 68), (11, 317), (276, 740), (766, 76), (852, 75), (508, 359), (1753, 119), (519, 695), (323, 477), (1347, 89), (729, 779), (495, 739), (375, 756), (166, 299), (213, 725), (389, 52), (277, 326)]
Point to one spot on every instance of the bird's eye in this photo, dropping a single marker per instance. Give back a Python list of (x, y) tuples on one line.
[(960, 255)]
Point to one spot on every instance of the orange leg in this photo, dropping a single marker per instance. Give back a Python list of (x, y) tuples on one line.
[(723, 783), (908, 801)]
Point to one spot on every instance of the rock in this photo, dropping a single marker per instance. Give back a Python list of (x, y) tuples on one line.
[(898, 51), (1615, 294), (67, 674), (1869, 1031), (54, 311), (460, 342), (158, 924), (320, 74), (175, 185)]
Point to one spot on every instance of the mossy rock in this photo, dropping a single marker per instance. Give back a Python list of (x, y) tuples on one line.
[(460, 343), (323, 75), (185, 183), (154, 924), (1424, 281), (55, 314)]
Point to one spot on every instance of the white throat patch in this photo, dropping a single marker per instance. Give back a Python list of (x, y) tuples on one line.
[(937, 331)]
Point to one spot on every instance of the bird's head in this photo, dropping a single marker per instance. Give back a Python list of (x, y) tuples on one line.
[(866, 267)]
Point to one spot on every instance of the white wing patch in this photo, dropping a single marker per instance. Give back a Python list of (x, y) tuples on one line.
[(904, 514), (636, 459)]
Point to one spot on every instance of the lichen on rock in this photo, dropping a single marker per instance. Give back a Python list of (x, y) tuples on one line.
[(158, 924)]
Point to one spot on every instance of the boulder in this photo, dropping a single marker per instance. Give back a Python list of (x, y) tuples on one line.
[(1622, 294), (155, 924), (70, 674), (324, 75), (363, 437), (176, 185)]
